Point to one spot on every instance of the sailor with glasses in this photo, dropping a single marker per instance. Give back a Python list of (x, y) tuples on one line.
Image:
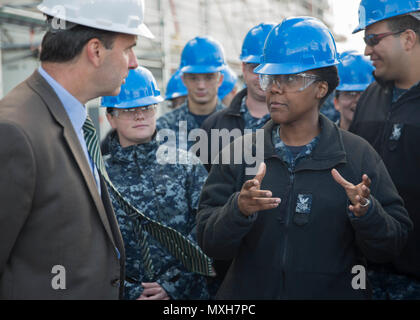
[(165, 192), (321, 201)]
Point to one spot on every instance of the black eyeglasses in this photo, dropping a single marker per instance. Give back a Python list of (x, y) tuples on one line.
[(373, 39)]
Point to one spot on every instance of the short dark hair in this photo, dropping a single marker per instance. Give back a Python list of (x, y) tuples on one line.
[(65, 45), (330, 75), (109, 110), (404, 22)]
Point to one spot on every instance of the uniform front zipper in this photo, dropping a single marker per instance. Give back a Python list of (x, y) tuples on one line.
[(287, 219)]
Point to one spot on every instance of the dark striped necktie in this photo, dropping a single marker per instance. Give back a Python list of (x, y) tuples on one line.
[(189, 253)]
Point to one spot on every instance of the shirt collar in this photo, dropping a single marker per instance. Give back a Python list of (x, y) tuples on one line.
[(74, 108)]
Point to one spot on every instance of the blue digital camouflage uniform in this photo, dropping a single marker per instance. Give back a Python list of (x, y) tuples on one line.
[(168, 193), (284, 152), (391, 286), (250, 121), (182, 121)]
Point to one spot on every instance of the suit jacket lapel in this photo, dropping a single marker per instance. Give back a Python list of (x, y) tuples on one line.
[(41, 86)]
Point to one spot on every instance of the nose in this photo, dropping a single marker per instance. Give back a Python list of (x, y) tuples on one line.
[(368, 50), (275, 87), (139, 115), (201, 83), (132, 63)]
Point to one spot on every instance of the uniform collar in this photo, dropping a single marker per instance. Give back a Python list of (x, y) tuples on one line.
[(328, 152), (132, 153)]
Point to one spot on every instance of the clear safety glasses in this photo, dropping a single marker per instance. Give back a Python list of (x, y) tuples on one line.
[(133, 113), (349, 95), (288, 82)]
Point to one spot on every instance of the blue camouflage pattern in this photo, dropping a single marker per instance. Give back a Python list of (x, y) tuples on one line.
[(168, 193), (284, 152), (250, 121), (391, 286), (171, 120)]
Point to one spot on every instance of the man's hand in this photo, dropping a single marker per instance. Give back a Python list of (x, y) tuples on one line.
[(252, 199), (153, 291), (358, 195)]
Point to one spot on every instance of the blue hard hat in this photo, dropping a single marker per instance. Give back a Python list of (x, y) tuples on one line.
[(252, 47), (355, 72), (202, 55), (347, 52), (372, 11), (175, 87), (298, 44), (140, 89), (229, 81)]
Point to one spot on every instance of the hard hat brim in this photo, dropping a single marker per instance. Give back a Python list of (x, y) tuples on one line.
[(353, 87), (176, 95), (251, 59), (135, 103), (201, 69), (290, 68), (358, 29)]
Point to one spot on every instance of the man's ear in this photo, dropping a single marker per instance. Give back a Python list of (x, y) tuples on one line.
[(95, 51), (410, 39)]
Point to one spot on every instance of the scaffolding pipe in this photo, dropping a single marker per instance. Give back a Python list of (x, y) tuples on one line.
[(165, 45), (1, 67), (175, 17)]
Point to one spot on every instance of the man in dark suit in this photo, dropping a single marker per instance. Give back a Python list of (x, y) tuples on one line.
[(59, 238)]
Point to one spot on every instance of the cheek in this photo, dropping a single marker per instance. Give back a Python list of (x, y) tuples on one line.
[(123, 133), (190, 85), (153, 125), (113, 121)]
